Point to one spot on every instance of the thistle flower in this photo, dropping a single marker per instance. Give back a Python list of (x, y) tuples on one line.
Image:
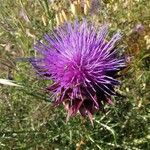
[(82, 64), (139, 28)]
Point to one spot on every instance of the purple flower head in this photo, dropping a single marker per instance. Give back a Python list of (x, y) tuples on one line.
[(139, 28), (82, 64)]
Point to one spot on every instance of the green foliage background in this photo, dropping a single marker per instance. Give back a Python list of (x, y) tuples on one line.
[(27, 119)]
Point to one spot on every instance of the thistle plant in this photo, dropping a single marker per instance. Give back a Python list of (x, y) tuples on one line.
[(82, 64), (27, 119)]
